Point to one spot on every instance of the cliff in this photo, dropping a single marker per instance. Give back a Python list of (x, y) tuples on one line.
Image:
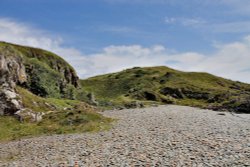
[(40, 94), (39, 71), (12, 71)]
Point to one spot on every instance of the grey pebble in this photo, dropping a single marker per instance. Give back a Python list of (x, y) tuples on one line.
[(157, 136)]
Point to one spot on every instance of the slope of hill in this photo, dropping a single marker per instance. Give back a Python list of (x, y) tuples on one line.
[(41, 72), (40, 94), (163, 85)]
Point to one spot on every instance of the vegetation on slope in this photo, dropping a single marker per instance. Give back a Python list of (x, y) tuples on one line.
[(61, 117), (162, 85), (48, 75), (51, 87), (47, 94)]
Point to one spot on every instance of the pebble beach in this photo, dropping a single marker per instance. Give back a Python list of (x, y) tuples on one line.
[(168, 135)]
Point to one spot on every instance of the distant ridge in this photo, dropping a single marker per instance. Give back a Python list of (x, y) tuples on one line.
[(163, 85)]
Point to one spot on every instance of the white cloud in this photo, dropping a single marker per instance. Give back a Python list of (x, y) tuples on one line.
[(170, 20), (24, 34), (193, 22), (16, 32), (115, 58), (211, 26), (228, 60)]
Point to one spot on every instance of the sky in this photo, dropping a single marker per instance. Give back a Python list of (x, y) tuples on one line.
[(103, 36)]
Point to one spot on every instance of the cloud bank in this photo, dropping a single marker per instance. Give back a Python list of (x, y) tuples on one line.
[(228, 60), (24, 34)]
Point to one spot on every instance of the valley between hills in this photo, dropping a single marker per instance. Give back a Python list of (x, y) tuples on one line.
[(148, 116)]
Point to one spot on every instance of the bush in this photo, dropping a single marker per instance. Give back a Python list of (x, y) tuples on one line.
[(42, 80)]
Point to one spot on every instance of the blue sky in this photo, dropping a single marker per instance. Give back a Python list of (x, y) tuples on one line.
[(100, 36)]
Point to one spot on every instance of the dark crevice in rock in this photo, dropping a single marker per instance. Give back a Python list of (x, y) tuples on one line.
[(174, 92)]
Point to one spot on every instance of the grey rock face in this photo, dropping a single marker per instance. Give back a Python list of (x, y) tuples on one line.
[(9, 102), (12, 71)]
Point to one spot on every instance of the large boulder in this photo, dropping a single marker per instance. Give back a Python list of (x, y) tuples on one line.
[(9, 102)]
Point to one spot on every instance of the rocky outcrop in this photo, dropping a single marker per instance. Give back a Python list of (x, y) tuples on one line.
[(174, 92), (9, 102), (41, 72), (12, 71), (244, 106), (53, 61), (29, 115), (134, 104), (92, 99), (195, 94)]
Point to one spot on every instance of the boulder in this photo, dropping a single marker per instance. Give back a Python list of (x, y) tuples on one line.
[(29, 115), (174, 92), (92, 99), (196, 94), (134, 104), (9, 102), (244, 106)]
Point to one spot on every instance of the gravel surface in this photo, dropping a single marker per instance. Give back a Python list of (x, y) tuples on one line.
[(158, 136)]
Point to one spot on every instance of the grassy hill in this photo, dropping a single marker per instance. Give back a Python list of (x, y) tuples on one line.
[(40, 84), (48, 75), (163, 85)]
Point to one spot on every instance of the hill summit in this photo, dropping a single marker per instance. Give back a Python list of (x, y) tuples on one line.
[(163, 85)]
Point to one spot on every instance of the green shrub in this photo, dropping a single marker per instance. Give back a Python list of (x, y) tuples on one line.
[(43, 81)]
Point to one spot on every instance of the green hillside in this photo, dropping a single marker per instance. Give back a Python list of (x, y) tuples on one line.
[(48, 75), (61, 116), (163, 85), (40, 94)]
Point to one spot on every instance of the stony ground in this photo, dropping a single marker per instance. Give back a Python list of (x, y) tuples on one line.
[(160, 136)]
